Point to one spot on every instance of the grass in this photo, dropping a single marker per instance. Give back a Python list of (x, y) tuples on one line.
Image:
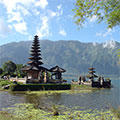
[(4, 83), (74, 90)]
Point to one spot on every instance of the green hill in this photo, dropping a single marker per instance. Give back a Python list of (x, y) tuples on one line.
[(74, 56)]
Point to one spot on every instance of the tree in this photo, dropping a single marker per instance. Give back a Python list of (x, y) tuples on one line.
[(1, 71), (18, 70), (118, 55), (107, 10), (9, 68)]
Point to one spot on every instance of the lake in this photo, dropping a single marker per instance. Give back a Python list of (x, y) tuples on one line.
[(97, 99)]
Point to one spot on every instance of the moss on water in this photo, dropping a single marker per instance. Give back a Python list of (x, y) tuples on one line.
[(29, 112), (6, 116)]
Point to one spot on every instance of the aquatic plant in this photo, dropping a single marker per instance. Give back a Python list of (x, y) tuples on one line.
[(29, 112), (116, 112)]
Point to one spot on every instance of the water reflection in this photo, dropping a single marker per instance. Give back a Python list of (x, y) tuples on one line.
[(97, 99)]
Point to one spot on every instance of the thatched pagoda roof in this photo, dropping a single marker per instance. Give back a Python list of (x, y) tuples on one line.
[(28, 68), (92, 71), (91, 68), (33, 68), (32, 63), (91, 76), (57, 69)]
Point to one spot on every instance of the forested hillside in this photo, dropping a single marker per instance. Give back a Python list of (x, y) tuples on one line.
[(74, 56)]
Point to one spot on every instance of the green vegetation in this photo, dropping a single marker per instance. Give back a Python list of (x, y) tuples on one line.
[(74, 90), (116, 112), (34, 87), (18, 71), (4, 83), (30, 112), (6, 116), (57, 112), (11, 69), (1, 71), (107, 10)]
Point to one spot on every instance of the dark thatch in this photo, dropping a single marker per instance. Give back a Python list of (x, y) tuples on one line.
[(35, 59), (57, 69), (33, 68), (91, 76), (91, 68)]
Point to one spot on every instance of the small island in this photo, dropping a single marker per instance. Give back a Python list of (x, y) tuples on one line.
[(36, 73), (37, 77), (93, 80)]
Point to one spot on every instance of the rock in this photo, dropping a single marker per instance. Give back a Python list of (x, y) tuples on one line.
[(6, 87), (56, 113)]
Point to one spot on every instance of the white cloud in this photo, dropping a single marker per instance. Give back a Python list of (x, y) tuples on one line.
[(36, 12), (16, 9), (52, 13), (59, 7), (12, 4), (58, 13), (15, 16), (19, 10), (4, 28), (44, 29), (30, 37), (20, 27), (109, 32), (99, 34), (62, 32), (23, 10), (93, 19), (42, 3)]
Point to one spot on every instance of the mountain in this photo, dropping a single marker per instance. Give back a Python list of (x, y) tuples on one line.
[(74, 56)]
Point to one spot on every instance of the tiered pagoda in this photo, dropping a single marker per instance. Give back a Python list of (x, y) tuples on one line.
[(91, 74), (35, 59), (34, 69)]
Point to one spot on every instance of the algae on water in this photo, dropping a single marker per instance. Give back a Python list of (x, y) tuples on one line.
[(29, 112)]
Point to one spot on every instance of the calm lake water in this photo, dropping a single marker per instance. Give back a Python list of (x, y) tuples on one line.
[(99, 99)]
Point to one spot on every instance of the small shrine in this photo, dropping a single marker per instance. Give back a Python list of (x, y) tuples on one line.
[(92, 81), (91, 75), (57, 72)]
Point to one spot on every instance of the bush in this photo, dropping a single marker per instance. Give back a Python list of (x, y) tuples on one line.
[(5, 82), (36, 87)]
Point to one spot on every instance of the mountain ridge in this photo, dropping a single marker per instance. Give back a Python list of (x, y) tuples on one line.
[(75, 56)]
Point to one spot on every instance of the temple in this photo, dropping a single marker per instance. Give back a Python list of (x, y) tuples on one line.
[(93, 80), (35, 72), (34, 69)]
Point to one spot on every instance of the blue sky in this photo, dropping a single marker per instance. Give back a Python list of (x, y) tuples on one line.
[(20, 20)]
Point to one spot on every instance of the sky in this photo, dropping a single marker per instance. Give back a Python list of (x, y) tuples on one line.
[(21, 20)]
